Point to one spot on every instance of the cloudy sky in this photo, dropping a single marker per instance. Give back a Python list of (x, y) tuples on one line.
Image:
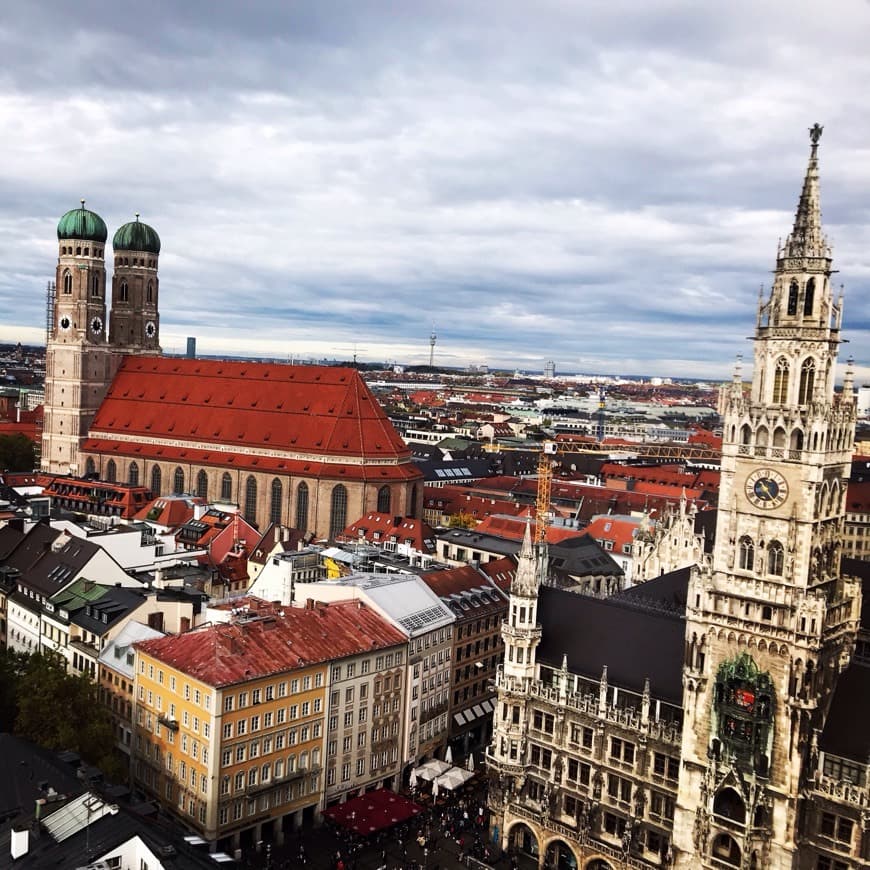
[(598, 183)]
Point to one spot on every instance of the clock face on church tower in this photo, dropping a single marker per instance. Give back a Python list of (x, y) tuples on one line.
[(766, 488)]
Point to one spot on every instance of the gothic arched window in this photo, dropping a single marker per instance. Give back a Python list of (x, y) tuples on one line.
[(275, 501), (780, 382), (338, 511), (123, 292), (775, 557), (251, 499), (302, 507), (729, 804), (412, 507), (150, 292), (809, 293), (384, 500), (67, 281), (111, 471), (95, 285), (226, 487), (726, 850), (792, 297), (178, 480), (202, 484), (133, 474), (90, 467), (156, 480), (808, 381), (747, 553)]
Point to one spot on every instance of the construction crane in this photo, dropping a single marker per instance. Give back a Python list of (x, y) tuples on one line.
[(543, 514)]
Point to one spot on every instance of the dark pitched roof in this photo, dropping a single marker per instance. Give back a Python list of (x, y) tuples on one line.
[(666, 592), (57, 569), (100, 615), (581, 556), (32, 547), (846, 732), (634, 642), (10, 538)]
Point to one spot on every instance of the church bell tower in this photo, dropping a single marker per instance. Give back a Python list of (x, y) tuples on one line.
[(771, 623)]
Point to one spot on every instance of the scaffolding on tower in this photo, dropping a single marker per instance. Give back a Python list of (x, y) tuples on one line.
[(543, 513), (50, 293)]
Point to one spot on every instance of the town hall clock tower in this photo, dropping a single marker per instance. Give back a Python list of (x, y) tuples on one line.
[(771, 624)]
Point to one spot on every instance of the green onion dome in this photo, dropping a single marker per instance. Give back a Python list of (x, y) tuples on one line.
[(80, 223), (136, 236)]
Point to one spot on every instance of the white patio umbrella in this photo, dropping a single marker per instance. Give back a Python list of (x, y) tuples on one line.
[(431, 769), (434, 788), (448, 756), (469, 764), (412, 779)]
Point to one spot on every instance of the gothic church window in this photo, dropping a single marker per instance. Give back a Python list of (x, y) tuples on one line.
[(775, 557), (302, 506), (792, 298), (726, 850), (95, 285), (67, 282), (178, 480), (124, 292), (133, 474), (809, 292), (251, 499), (90, 467), (156, 480), (111, 471), (226, 487), (747, 553), (150, 293), (338, 512), (730, 805), (384, 500), (202, 484), (275, 503), (780, 382), (808, 378)]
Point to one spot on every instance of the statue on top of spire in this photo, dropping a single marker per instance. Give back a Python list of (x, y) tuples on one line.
[(816, 133)]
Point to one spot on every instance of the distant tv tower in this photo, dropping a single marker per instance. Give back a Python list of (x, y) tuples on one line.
[(432, 339)]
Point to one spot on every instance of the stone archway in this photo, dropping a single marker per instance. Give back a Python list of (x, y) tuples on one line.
[(523, 840), (559, 856), (599, 864)]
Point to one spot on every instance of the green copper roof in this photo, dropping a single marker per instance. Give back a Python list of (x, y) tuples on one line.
[(80, 223), (136, 236)]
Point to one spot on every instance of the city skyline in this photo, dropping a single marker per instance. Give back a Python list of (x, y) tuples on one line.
[(596, 187)]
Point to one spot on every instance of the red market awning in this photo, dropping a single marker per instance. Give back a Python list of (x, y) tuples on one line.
[(373, 811)]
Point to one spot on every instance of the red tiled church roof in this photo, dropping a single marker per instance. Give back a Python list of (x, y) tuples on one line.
[(308, 412)]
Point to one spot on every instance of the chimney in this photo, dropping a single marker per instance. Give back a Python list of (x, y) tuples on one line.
[(309, 604), (20, 843), (158, 579)]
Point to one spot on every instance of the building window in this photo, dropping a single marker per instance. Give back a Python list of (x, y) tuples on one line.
[(338, 511), (666, 766), (725, 849), (95, 285), (836, 828), (302, 507), (780, 382), (150, 292), (111, 471), (792, 297), (226, 487), (808, 379), (618, 788), (123, 292), (843, 771), (275, 503), (809, 294), (67, 282), (133, 474), (155, 480), (384, 500), (747, 553), (775, 557), (202, 484), (178, 480), (251, 499), (621, 750)]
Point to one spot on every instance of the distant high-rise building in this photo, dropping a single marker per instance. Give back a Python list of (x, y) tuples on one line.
[(432, 339), (550, 370), (191, 347)]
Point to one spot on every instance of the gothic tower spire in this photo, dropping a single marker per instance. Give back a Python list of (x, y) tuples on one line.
[(806, 238)]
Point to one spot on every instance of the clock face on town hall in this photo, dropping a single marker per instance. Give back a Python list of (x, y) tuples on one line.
[(766, 488)]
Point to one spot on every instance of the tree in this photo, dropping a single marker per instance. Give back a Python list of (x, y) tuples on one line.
[(461, 520), (17, 453), (58, 710)]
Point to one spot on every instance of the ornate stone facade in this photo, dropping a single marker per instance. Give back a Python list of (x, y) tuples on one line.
[(755, 763)]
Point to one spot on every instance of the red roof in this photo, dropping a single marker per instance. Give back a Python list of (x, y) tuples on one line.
[(169, 511), (501, 571), (301, 413), (272, 640), (618, 530), (378, 527), (513, 529)]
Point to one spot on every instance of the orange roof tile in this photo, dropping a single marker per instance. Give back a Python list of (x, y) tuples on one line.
[(307, 412)]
